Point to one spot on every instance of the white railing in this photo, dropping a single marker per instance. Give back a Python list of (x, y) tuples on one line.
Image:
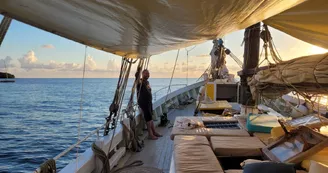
[(155, 93), (87, 161)]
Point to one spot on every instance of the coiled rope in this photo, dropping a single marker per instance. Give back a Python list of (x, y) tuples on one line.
[(48, 166), (105, 160)]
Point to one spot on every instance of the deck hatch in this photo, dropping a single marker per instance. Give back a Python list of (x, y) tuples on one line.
[(222, 125)]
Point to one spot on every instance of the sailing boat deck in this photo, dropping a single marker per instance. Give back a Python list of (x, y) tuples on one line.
[(158, 153)]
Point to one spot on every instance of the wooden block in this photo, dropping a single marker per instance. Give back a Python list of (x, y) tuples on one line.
[(236, 146)]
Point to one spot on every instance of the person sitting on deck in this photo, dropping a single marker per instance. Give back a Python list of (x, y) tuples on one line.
[(144, 96)]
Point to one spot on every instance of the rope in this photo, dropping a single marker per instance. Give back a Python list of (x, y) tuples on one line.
[(169, 89), (74, 145), (48, 166), (207, 69), (299, 89), (130, 106), (133, 164), (114, 107), (188, 61), (102, 156), (81, 106)]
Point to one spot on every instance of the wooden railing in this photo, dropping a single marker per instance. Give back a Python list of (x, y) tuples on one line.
[(87, 161)]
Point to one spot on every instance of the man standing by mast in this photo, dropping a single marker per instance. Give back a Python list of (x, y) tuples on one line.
[(145, 98)]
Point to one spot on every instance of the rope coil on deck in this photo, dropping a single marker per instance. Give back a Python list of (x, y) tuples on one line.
[(106, 165)]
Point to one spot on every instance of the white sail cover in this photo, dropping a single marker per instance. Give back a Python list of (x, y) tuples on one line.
[(139, 28)]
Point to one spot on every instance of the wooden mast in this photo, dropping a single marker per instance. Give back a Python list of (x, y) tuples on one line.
[(5, 23), (251, 60)]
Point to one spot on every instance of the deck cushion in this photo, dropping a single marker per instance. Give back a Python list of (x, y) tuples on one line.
[(236, 146), (208, 132), (191, 140), (195, 159)]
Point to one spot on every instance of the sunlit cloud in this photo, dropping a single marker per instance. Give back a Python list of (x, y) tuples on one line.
[(29, 62), (48, 46)]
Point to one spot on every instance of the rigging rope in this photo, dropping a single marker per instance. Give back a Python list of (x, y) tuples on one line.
[(164, 119), (169, 88), (187, 78), (81, 106), (115, 107), (288, 86)]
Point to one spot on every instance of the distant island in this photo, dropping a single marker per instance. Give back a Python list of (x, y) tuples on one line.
[(4, 75)]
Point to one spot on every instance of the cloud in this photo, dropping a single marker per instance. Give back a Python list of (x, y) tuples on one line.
[(48, 46), (63, 66), (90, 64), (29, 61), (112, 66), (6, 62)]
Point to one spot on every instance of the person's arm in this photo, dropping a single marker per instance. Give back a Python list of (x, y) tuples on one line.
[(137, 75)]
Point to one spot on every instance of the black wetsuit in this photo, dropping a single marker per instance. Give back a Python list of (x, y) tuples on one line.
[(145, 99)]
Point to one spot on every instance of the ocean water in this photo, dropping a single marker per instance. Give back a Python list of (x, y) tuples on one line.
[(39, 117)]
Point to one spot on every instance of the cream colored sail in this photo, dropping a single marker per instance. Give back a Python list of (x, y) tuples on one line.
[(145, 27), (307, 22)]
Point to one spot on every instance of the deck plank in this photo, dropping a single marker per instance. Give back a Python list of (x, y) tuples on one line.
[(158, 153)]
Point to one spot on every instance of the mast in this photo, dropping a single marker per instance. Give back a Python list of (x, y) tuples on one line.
[(5, 23), (251, 60)]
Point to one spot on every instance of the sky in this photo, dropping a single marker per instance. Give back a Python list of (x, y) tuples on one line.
[(33, 53)]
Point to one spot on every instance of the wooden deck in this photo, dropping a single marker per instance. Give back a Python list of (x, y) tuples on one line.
[(158, 153)]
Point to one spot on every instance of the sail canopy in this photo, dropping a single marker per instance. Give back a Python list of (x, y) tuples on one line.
[(307, 22), (144, 27)]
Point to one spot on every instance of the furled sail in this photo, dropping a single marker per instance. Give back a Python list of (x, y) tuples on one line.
[(307, 22), (305, 75), (142, 28)]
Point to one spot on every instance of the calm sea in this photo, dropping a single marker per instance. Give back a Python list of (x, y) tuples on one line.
[(39, 117)]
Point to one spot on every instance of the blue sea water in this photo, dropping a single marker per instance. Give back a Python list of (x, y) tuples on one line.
[(39, 117)]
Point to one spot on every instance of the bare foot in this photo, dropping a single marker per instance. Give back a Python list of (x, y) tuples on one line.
[(152, 137), (157, 134)]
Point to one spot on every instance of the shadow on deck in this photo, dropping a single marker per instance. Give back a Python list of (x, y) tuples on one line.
[(158, 153)]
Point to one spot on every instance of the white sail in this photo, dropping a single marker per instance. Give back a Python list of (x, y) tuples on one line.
[(142, 28)]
